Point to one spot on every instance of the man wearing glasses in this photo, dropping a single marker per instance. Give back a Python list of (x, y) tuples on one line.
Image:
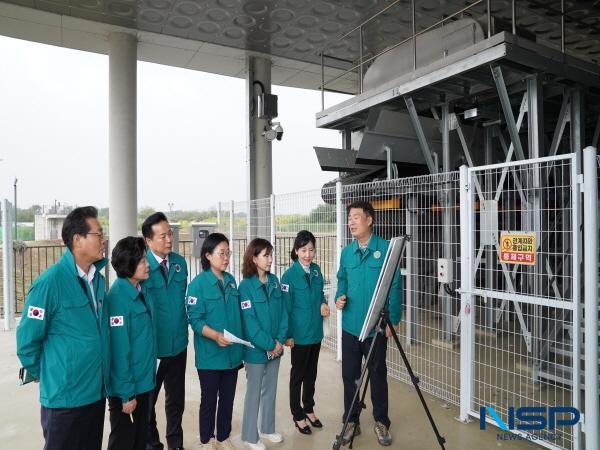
[(63, 337), (166, 288)]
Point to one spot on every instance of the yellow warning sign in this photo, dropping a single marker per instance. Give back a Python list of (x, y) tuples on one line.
[(517, 248)]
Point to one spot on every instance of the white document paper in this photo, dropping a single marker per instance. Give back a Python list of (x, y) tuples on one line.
[(236, 340)]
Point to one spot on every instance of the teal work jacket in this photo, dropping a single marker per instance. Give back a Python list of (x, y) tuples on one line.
[(303, 295), (217, 306), (132, 342), (357, 278), (168, 304), (264, 316), (61, 340)]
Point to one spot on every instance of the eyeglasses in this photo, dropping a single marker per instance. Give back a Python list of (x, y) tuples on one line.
[(100, 234), (226, 254)]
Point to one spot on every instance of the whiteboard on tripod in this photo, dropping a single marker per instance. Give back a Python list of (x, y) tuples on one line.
[(384, 283)]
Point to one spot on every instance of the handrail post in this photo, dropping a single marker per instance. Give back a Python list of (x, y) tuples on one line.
[(514, 16), (414, 32), (562, 26), (360, 60), (322, 82), (489, 18)]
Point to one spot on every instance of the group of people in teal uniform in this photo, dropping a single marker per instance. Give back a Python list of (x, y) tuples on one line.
[(84, 346), (268, 315)]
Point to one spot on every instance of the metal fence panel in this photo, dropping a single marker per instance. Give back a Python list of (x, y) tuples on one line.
[(308, 211), (525, 266)]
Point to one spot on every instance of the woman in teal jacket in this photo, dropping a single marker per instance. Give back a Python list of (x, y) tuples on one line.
[(213, 307), (302, 287), (265, 322), (133, 347)]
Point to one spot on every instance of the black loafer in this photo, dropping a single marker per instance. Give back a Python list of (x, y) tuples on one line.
[(305, 430), (317, 423)]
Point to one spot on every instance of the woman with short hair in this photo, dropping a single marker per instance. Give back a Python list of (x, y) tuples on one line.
[(302, 287), (213, 303), (133, 349), (265, 324)]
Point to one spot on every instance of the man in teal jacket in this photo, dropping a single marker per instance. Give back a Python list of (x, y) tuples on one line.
[(63, 337), (360, 265), (166, 291)]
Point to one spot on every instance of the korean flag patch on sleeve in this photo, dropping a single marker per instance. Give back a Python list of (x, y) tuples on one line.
[(192, 300), (246, 304), (285, 287), (116, 321), (35, 312)]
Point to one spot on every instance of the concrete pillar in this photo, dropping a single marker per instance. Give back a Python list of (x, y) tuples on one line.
[(258, 155), (122, 124), (258, 149)]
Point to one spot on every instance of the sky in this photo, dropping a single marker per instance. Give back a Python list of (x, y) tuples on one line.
[(54, 132)]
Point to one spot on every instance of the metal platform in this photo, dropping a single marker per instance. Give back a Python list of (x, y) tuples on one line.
[(464, 78)]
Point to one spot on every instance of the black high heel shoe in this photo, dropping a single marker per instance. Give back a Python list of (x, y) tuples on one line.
[(305, 430), (317, 423)]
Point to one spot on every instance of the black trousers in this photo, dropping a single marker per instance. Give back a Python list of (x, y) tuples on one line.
[(353, 352), (126, 434), (73, 428), (171, 372), (217, 386), (302, 378)]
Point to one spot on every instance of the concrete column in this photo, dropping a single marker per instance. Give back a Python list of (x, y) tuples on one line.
[(122, 124), (258, 156), (258, 149)]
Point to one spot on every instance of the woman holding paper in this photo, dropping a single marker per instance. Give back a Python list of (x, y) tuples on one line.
[(302, 287), (265, 325), (213, 303)]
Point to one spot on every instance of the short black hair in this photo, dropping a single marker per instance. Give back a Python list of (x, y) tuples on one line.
[(127, 254), (365, 206), (208, 246), (151, 220), (76, 223), (304, 237)]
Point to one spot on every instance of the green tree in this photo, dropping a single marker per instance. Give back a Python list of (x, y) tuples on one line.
[(144, 212), (324, 213)]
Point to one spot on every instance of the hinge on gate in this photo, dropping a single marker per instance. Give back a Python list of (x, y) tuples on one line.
[(580, 178)]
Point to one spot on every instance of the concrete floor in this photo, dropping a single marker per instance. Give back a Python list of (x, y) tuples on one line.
[(19, 414)]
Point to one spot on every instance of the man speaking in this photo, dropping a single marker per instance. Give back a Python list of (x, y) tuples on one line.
[(360, 264)]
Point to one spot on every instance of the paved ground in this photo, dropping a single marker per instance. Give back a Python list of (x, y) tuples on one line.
[(20, 429)]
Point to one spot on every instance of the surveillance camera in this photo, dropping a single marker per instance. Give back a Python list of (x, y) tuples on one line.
[(279, 131), (269, 134), (273, 131)]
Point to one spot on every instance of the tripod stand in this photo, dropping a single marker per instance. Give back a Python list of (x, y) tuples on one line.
[(380, 328)]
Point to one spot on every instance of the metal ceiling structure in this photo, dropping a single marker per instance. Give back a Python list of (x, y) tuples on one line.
[(216, 35)]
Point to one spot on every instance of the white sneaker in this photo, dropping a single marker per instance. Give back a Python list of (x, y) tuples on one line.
[(225, 445), (273, 437), (210, 445), (258, 446)]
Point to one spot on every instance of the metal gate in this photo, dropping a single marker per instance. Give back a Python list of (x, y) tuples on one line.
[(521, 309)]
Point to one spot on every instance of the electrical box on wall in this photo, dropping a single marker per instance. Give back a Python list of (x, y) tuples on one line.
[(267, 106), (444, 270)]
